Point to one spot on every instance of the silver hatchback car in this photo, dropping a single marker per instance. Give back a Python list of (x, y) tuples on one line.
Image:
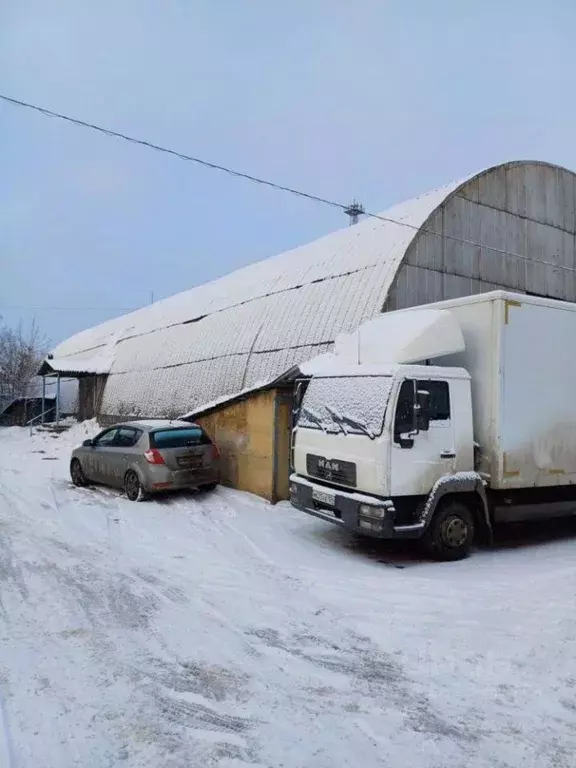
[(145, 457)]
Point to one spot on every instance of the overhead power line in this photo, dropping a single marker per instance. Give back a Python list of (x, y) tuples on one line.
[(68, 309), (180, 155), (267, 182)]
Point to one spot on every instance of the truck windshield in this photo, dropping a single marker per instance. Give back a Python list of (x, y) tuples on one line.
[(352, 405)]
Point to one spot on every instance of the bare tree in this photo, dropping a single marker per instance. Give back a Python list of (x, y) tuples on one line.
[(20, 356)]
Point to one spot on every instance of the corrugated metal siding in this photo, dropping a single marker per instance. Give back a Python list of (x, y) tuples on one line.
[(525, 210)]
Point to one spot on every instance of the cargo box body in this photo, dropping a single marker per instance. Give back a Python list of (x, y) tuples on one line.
[(520, 355)]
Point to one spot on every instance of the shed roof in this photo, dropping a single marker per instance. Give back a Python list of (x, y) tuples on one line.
[(74, 366), (8, 405)]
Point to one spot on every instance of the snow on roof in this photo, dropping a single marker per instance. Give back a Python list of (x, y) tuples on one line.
[(99, 361), (5, 406), (332, 368), (74, 364), (227, 398), (154, 423), (406, 336), (252, 325)]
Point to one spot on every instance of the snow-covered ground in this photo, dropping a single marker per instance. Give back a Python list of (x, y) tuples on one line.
[(217, 630)]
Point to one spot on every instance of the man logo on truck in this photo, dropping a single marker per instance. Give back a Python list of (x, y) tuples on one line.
[(329, 467)]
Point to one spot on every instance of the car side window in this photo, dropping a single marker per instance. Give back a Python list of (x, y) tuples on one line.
[(126, 437), (105, 439), (404, 419), (439, 399)]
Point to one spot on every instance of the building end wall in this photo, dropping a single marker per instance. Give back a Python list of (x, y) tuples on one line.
[(244, 434)]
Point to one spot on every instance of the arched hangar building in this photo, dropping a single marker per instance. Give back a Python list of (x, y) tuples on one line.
[(221, 351)]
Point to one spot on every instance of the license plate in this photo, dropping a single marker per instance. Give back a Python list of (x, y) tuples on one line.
[(190, 461), (323, 497)]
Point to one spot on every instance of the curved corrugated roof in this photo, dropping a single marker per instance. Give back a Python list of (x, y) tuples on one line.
[(342, 254), (250, 326), (247, 328)]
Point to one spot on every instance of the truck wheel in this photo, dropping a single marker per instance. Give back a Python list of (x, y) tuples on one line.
[(450, 533), (133, 486)]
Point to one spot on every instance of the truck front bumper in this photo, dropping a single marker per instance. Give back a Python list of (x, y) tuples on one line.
[(368, 515)]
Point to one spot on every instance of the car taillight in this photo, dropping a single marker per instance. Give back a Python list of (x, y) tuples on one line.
[(153, 456)]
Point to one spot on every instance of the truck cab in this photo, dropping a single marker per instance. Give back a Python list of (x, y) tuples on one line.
[(389, 445), (373, 443)]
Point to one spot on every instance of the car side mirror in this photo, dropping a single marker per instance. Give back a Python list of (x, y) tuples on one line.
[(422, 410), (88, 443)]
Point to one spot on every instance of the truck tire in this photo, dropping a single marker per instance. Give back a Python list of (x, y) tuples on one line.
[(450, 534)]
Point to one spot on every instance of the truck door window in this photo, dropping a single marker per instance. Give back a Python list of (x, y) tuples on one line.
[(439, 399), (404, 420)]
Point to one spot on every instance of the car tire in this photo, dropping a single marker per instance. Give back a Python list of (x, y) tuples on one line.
[(450, 534), (77, 474), (133, 487), (209, 487)]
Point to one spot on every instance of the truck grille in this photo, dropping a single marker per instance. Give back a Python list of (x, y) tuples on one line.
[(331, 470)]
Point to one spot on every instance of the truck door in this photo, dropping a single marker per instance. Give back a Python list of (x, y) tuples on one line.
[(419, 459)]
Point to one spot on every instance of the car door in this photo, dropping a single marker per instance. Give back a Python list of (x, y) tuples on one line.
[(99, 463), (119, 452), (419, 459)]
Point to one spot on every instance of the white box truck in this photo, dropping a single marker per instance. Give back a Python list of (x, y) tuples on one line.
[(441, 421)]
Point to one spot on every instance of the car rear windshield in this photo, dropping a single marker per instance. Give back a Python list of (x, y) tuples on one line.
[(178, 438)]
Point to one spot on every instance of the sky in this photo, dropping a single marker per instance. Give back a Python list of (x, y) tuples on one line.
[(372, 100)]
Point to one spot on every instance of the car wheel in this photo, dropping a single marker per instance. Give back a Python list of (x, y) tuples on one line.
[(133, 486), (77, 474), (451, 532), (209, 487)]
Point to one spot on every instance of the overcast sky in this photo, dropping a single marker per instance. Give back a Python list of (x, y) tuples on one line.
[(369, 99)]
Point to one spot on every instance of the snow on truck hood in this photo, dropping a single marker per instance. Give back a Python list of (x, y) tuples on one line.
[(401, 338)]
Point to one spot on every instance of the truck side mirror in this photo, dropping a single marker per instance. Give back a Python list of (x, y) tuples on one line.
[(422, 410), (299, 392), (406, 440), (297, 395)]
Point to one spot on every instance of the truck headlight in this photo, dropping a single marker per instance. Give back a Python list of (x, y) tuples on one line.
[(371, 511)]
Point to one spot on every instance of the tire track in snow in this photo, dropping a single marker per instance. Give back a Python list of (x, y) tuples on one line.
[(86, 588), (333, 647), (7, 750), (203, 699), (87, 498), (200, 716)]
